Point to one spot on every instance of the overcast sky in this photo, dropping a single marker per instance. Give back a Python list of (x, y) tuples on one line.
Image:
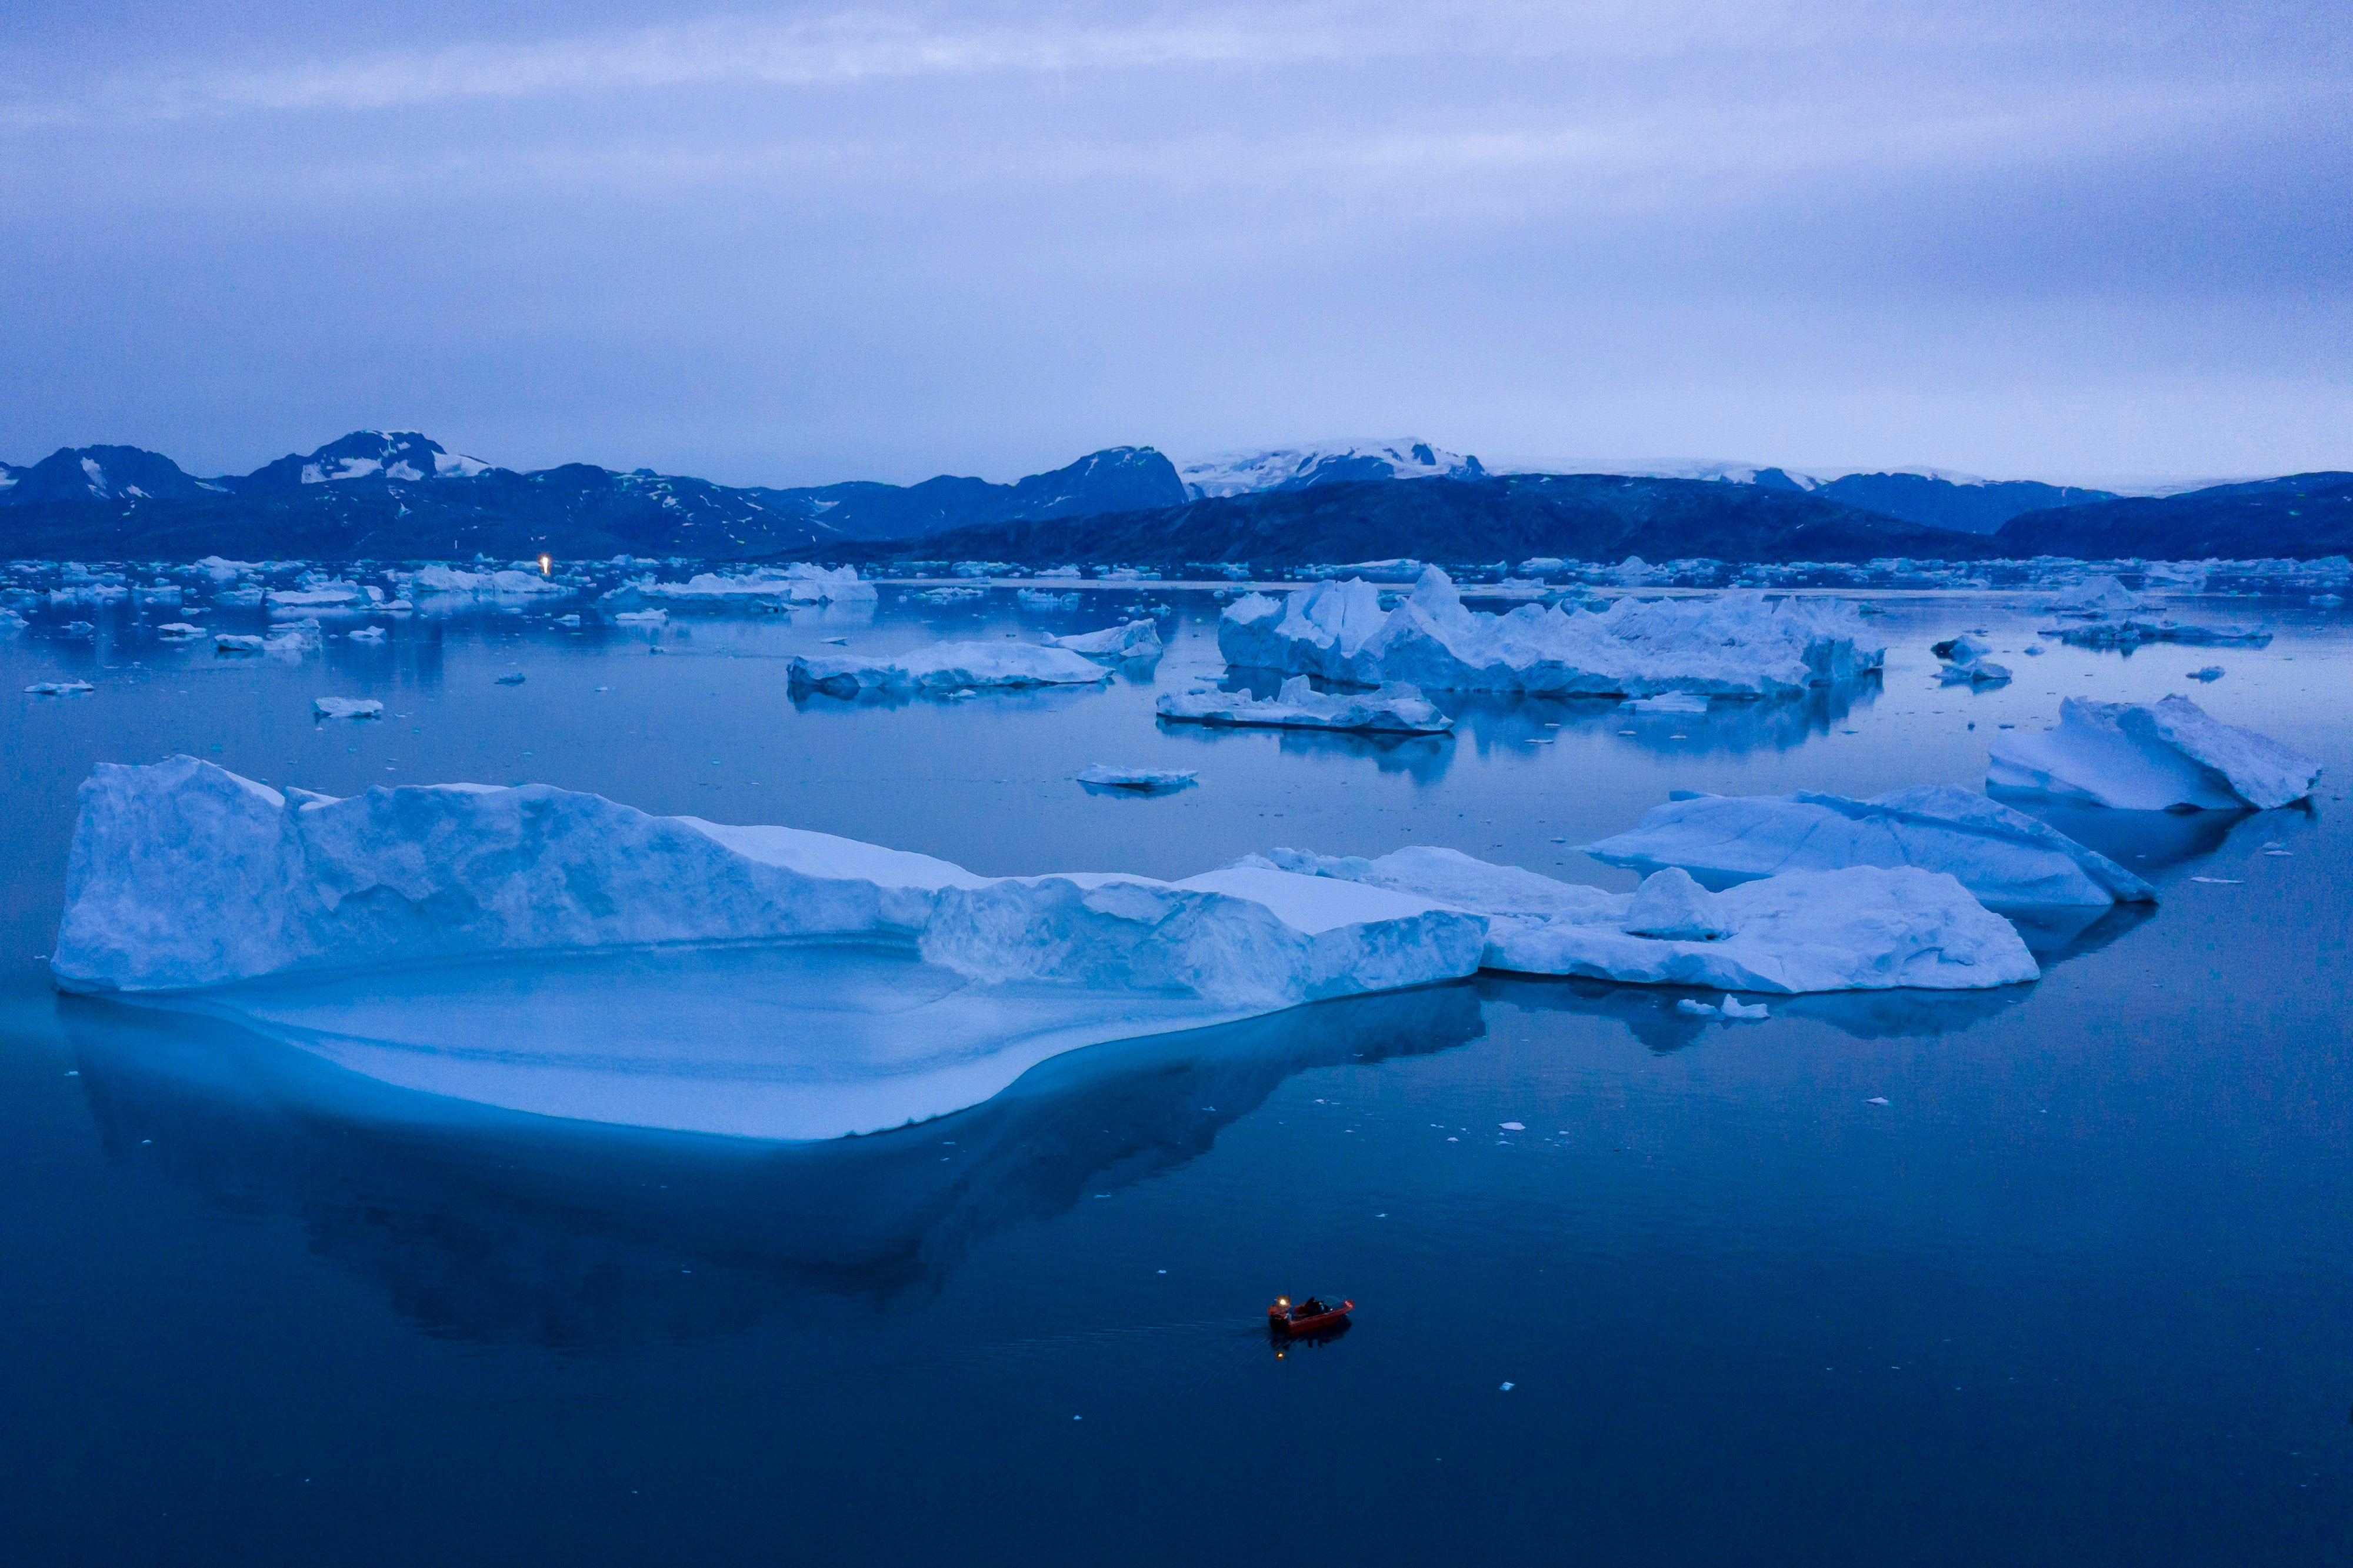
[(801, 243)]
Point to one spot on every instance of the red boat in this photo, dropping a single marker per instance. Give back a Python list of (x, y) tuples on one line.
[(1310, 1315)]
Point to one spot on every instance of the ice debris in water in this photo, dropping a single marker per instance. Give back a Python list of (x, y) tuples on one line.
[(798, 583), (1876, 1099), (2210, 674), (2004, 856), (763, 982), (347, 708), (1136, 639), (944, 668), (2163, 757), (516, 679), (178, 631), (1512, 1127), (1735, 644), (58, 689), (1863, 928), (1138, 781), (1394, 709), (1697, 1009), (1672, 702), (2130, 634), (1732, 1008), (367, 633)]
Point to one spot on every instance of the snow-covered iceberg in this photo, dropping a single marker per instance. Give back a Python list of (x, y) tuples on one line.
[(346, 708), (1136, 639), (891, 987), (945, 667), (2138, 757), (450, 580), (2003, 856), (1734, 645), (1392, 709), (1863, 928)]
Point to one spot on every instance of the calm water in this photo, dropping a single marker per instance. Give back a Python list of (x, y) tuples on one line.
[(2078, 1293)]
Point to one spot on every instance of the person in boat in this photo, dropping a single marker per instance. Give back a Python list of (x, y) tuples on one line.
[(1308, 1308)]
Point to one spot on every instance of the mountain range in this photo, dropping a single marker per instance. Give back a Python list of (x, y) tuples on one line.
[(400, 496)]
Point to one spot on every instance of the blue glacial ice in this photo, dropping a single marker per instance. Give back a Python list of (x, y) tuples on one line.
[(946, 666), (2168, 757), (2003, 856)]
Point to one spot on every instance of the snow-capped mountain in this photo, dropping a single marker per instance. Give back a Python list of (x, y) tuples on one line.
[(364, 455), (1323, 463), (101, 473)]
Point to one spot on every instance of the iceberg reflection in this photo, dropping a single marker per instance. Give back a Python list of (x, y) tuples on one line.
[(489, 1225)]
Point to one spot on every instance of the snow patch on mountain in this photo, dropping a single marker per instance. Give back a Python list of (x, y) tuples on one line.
[(1323, 463)]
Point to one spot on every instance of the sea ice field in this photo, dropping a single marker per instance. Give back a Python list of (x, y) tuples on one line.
[(2039, 1270)]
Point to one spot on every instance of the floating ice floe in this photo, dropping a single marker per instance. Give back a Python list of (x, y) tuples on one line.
[(2166, 757), (321, 596), (2003, 856), (1736, 645), (1730, 1007), (366, 634), (1136, 639), (1039, 599), (450, 580), (2210, 674), (2128, 633), (346, 708), (1966, 662), (292, 641), (945, 668), (59, 689), (897, 986), (516, 679), (1860, 928), (1139, 781), (640, 617), (178, 631), (1672, 702), (1393, 710)]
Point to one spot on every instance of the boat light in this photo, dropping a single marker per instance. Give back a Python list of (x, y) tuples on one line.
[(544, 563)]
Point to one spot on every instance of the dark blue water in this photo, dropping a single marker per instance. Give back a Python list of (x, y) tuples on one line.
[(2079, 1292)]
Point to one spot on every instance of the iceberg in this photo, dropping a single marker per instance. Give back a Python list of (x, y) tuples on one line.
[(1136, 781), (889, 986), (346, 708), (366, 633), (1136, 639), (449, 580), (1392, 709), (1966, 662), (178, 631), (2130, 634), (945, 668), (236, 642), (1672, 702), (2004, 857), (2097, 596), (323, 595), (1039, 599), (2170, 756), (1735, 644), (1863, 928)]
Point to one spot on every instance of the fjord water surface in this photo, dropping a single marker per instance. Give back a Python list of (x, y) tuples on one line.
[(2077, 1291)]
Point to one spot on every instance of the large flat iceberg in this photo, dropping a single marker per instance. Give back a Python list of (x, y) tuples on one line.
[(946, 666), (2169, 756), (383, 930), (1135, 639), (798, 583), (2003, 856), (1733, 645), (1392, 709), (1860, 928)]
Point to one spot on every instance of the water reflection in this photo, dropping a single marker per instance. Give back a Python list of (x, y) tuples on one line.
[(486, 1225), (1727, 728), (1650, 1015)]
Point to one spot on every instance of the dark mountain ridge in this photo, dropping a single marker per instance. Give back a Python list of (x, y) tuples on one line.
[(1511, 517), (2297, 517)]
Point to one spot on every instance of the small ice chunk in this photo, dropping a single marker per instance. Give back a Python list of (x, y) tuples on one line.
[(347, 708), (368, 634), (945, 668), (2210, 674), (1673, 907), (58, 689), (515, 678), (640, 617), (1142, 781), (1733, 1008), (1697, 1009), (236, 642), (178, 631), (1512, 1126), (1669, 702), (1876, 1099)]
